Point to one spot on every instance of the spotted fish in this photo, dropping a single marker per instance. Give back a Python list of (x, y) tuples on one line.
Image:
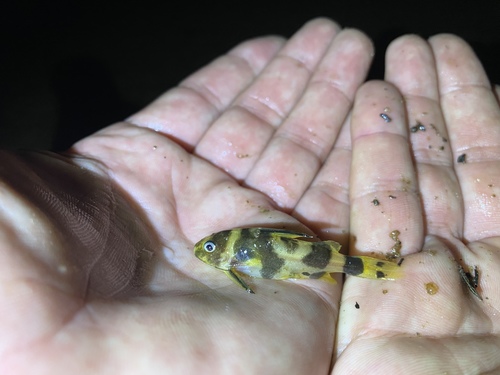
[(279, 254)]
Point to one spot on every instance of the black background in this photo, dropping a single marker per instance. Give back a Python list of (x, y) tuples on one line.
[(69, 68)]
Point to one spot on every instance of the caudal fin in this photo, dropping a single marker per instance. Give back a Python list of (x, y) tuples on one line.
[(371, 268)]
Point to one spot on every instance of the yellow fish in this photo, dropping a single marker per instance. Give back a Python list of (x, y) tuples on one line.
[(279, 254)]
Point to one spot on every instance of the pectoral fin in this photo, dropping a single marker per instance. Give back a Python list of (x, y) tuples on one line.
[(328, 277), (238, 280)]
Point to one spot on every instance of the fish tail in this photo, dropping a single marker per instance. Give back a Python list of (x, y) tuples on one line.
[(371, 268)]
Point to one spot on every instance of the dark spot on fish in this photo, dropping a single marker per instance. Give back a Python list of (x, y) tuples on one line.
[(306, 274), (249, 234), (380, 264), (255, 242), (380, 275), (385, 117), (401, 261), (461, 159), (319, 257), (356, 305), (375, 202), (291, 244), (353, 266), (271, 262), (244, 254)]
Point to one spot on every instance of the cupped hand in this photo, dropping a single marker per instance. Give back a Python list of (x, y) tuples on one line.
[(433, 174), (262, 136), (98, 270)]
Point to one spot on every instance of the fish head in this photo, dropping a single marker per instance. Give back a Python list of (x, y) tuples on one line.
[(213, 251)]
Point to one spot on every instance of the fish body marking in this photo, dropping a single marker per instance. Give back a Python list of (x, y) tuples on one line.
[(270, 253)]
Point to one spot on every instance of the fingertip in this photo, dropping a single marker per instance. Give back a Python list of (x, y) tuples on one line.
[(323, 23), (405, 41), (496, 92), (378, 114), (451, 46), (275, 41), (367, 88), (444, 38), (361, 38), (259, 51), (309, 43), (457, 63), (411, 67), (369, 98)]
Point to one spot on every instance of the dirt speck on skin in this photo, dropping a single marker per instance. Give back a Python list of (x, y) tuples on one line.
[(431, 288), (395, 251), (406, 183), (418, 127), (263, 210), (470, 280), (443, 139), (385, 117)]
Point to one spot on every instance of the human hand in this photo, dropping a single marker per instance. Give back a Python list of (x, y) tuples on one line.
[(92, 283), (442, 202), (188, 317)]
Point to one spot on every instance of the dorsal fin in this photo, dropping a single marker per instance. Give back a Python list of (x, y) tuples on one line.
[(285, 233)]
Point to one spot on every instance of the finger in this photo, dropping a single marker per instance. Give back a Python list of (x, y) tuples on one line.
[(236, 140), (451, 354), (472, 116), (324, 207), (384, 193), (385, 214), (185, 112), (411, 68), (300, 146)]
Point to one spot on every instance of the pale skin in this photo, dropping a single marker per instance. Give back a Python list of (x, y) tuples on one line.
[(303, 146)]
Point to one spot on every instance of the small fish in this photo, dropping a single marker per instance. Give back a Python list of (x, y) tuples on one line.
[(279, 254)]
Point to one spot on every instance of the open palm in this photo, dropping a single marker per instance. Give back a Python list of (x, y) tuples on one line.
[(435, 171), (262, 136)]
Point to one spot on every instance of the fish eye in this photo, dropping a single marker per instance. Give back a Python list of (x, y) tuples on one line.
[(209, 246)]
